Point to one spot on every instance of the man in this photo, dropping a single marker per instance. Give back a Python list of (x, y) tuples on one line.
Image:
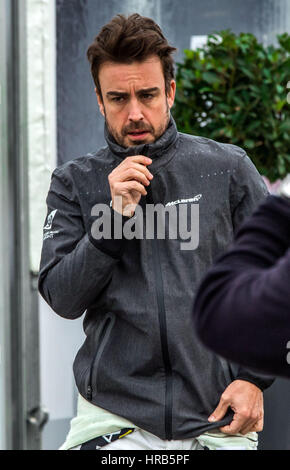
[(245, 296), (141, 367)]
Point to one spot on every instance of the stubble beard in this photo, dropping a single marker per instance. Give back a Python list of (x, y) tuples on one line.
[(156, 133)]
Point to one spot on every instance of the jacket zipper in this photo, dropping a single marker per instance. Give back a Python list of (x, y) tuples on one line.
[(162, 323), (89, 392)]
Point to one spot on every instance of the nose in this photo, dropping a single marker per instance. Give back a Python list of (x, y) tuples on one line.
[(135, 111)]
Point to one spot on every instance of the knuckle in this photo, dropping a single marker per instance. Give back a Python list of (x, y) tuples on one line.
[(224, 398), (143, 178), (138, 174), (246, 414), (134, 165), (115, 188)]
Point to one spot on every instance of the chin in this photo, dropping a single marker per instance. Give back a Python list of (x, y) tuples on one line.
[(139, 142), (148, 140)]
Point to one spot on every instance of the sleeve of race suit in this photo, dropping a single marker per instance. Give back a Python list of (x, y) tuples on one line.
[(74, 266)]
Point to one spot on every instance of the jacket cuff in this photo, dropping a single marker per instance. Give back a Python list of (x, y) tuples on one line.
[(261, 381), (112, 246)]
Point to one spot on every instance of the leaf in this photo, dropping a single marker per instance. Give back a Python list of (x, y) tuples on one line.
[(189, 53), (284, 41), (279, 105), (205, 89), (253, 125), (280, 88), (281, 165), (211, 77), (248, 73), (250, 144), (285, 126)]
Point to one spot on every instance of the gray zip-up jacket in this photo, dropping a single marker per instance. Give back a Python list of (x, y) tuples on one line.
[(142, 358)]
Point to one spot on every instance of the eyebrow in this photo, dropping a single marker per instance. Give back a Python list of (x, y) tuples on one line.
[(139, 92)]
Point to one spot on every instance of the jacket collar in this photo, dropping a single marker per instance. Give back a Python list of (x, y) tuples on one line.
[(160, 150)]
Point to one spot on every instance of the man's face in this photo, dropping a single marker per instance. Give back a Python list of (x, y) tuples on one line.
[(135, 105)]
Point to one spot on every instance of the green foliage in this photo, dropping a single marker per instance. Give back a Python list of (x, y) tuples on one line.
[(234, 90)]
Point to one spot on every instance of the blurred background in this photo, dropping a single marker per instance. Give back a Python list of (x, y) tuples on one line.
[(48, 115)]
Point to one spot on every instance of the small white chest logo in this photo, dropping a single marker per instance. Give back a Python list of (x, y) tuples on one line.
[(183, 201)]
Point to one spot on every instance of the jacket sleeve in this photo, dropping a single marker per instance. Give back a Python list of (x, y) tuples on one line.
[(247, 190), (74, 267), (245, 296)]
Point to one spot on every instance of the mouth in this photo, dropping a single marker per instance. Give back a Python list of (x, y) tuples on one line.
[(138, 135)]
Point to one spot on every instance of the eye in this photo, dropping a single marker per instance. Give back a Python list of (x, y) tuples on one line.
[(118, 99), (147, 96)]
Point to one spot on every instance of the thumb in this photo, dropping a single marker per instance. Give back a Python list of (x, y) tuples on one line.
[(219, 412)]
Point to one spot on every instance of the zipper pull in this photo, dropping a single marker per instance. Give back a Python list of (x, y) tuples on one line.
[(89, 392)]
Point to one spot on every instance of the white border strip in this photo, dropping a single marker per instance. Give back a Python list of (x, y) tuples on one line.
[(41, 46)]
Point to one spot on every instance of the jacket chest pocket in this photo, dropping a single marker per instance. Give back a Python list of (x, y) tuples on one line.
[(102, 336)]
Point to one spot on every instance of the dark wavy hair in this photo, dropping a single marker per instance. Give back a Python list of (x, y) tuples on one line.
[(128, 39)]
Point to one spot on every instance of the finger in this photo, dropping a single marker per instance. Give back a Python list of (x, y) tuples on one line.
[(236, 425), (248, 426), (138, 159), (220, 410), (117, 174), (132, 174), (255, 427), (141, 168), (257, 419), (255, 424), (260, 424), (123, 188), (248, 429)]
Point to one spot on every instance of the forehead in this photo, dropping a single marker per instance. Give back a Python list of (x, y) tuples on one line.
[(116, 76)]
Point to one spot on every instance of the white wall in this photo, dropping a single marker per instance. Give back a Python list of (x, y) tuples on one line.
[(59, 338), (41, 47)]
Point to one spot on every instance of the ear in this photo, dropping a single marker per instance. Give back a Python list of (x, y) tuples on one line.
[(100, 102), (171, 94)]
